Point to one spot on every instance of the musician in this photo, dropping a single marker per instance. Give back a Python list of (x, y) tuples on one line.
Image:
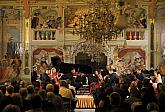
[(129, 77), (78, 81), (45, 77), (54, 76), (111, 76), (144, 70), (69, 75), (98, 74), (139, 74), (34, 74)]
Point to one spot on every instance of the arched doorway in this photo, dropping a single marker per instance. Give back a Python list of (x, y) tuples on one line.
[(96, 63)]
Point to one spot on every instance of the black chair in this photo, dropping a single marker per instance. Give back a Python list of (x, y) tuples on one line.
[(67, 104)]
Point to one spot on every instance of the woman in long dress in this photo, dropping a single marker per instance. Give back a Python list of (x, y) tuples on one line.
[(54, 76)]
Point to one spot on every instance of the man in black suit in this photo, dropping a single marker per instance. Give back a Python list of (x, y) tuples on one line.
[(111, 77), (34, 74)]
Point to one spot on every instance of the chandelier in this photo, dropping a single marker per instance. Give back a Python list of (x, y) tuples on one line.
[(102, 21)]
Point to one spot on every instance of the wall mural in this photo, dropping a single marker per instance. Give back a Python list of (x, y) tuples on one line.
[(130, 58), (10, 64), (42, 57), (162, 61), (72, 14), (163, 46), (137, 17), (45, 18)]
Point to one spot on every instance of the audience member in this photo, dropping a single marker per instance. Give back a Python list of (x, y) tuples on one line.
[(11, 108)]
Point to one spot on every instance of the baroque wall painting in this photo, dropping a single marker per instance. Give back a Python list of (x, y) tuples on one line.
[(130, 58), (45, 21), (72, 14), (46, 17), (10, 64), (137, 17), (11, 26), (44, 55), (163, 46)]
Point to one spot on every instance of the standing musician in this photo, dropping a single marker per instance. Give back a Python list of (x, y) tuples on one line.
[(54, 76)]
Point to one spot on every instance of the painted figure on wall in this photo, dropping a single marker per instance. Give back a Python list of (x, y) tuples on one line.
[(35, 20), (43, 18)]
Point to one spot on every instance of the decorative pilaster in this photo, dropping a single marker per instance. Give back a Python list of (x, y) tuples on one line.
[(27, 51), (152, 48), (152, 14), (2, 32)]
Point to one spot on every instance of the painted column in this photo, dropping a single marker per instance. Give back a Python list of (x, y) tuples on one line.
[(152, 48), (27, 48), (2, 33)]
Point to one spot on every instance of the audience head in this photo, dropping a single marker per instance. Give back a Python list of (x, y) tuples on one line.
[(36, 101), (64, 83), (23, 92), (11, 108), (43, 94), (152, 107), (115, 98), (10, 89), (17, 100), (49, 87), (50, 96), (30, 89)]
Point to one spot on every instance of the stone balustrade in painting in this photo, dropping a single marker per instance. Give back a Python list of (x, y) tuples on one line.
[(44, 34), (135, 34)]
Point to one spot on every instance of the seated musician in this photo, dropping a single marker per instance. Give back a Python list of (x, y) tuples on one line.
[(94, 82), (78, 81), (69, 75)]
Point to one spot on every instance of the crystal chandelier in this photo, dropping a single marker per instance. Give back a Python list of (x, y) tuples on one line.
[(103, 21)]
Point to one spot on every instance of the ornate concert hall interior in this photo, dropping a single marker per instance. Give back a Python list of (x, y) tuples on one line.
[(89, 45)]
